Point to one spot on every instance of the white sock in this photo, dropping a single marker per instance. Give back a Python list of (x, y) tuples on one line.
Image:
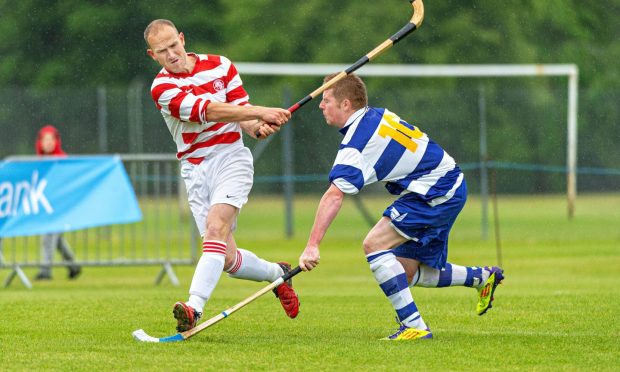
[(249, 266), (451, 275), (197, 302), (207, 273), (392, 279)]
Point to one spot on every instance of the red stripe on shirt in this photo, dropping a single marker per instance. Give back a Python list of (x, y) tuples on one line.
[(232, 72), (210, 63), (196, 110), (161, 74), (191, 137), (229, 137), (194, 116), (209, 87), (175, 104), (236, 93), (215, 127), (157, 91)]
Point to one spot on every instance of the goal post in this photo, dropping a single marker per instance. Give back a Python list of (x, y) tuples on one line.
[(476, 71)]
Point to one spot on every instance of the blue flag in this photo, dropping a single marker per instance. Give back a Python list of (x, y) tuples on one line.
[(64, 194)]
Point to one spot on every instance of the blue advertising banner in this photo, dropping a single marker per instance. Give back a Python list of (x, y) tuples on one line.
[(63, 194)]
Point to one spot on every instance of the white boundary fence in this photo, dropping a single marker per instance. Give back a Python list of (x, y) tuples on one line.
[(165, 237), (395, 70)]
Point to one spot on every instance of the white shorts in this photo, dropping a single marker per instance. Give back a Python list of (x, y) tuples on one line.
[(225, 178)]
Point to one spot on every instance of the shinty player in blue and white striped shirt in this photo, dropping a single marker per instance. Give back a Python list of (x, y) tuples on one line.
[(409, 244)]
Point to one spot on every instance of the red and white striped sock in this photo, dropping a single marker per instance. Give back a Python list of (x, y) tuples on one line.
[(207, 272), (235, 265), (214, 246), (251, 267)]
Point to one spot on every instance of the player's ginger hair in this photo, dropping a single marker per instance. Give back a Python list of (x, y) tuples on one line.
[(154, 26), (350, 87)]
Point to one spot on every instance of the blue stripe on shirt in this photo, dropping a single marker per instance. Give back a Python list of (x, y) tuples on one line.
[(348, 173), (444, 184), (365, 129), (430, 160), (388, 159)]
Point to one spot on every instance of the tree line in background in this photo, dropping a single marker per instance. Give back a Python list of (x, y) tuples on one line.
[(47, 43), (62, 44)]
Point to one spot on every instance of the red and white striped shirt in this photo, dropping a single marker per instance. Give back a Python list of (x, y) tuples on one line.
[(183, 101)]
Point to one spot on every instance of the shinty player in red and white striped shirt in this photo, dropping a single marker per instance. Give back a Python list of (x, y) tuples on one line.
[(205, 106)]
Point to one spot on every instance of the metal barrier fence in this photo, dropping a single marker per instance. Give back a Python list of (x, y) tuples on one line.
[(166, 236)]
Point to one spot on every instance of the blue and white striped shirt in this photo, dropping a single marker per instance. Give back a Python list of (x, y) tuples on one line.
[(380, 146)]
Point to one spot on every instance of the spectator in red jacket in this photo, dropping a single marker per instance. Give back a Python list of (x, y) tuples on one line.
[(48, 144)]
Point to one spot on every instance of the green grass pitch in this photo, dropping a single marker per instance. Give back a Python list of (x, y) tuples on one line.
[(557, 309)]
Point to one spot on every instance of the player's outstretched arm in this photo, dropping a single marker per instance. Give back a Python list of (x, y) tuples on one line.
[(328, 209), (225, 112)]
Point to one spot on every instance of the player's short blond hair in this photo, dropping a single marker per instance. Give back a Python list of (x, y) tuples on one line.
[(350, 87), (155, 25)]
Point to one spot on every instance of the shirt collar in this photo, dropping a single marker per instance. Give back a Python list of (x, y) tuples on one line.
[(354, 116)]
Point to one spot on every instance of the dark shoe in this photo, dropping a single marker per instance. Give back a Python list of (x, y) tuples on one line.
[(286, 294), (186, 316), (43, 276), (74, 272)]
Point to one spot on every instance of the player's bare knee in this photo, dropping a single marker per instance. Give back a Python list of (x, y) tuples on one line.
[(217, 230), (369, 246)]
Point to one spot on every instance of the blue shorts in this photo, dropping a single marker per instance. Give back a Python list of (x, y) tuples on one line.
[(427, 227)]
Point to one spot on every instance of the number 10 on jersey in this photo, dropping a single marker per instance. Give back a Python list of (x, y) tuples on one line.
[(393, 128)]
